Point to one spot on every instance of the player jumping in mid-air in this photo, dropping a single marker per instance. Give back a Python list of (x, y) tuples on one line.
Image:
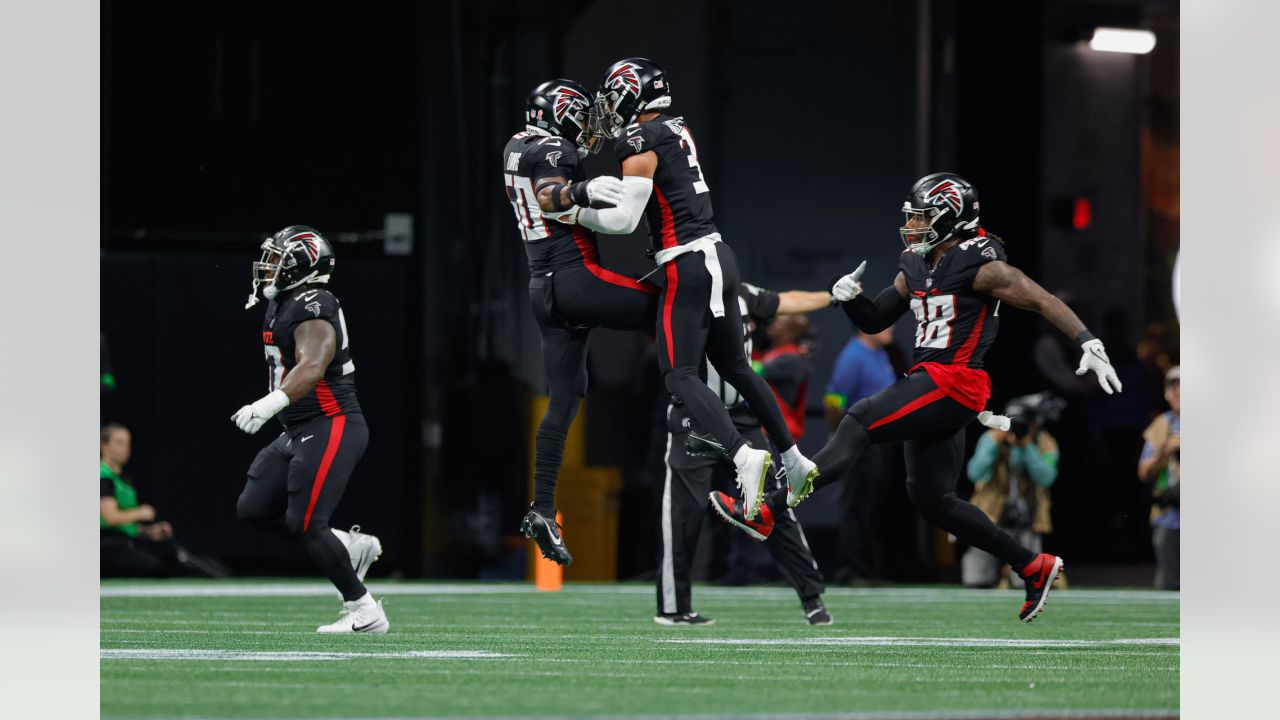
[(698, 308), (954, 277), (295, 483), (569, 291)]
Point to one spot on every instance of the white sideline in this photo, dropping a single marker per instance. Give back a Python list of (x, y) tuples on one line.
[(886, 641), (286, 656), (305, 589), (995, 714)]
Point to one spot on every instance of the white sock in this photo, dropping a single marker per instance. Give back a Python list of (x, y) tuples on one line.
[(740, 457), (791, 455)]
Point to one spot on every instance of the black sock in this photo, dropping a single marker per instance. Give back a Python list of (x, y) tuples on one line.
[(549, 451), (841, 451), (328, 553)]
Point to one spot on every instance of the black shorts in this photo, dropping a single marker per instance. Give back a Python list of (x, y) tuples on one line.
[(568, 303), (304, 471)]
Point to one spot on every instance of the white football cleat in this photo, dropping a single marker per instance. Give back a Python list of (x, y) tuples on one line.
[(357, 617), (800, 477), (752, 474), (363, 549)]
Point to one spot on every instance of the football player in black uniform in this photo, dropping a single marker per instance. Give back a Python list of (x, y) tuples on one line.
[(690, 477), (698, 308), (569, 291), (954, 277), (295, 483)]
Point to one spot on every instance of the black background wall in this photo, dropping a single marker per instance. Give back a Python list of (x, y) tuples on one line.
[(223, 122)]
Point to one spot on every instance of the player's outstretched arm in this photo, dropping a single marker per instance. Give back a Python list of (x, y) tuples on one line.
[(799, 302), (1008, 284), (637, 184), (315, 343), (867, 315)]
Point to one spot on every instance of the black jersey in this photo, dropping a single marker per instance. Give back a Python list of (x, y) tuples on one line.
[(679, 210), (335, 393), (551, 245), (955, 324)]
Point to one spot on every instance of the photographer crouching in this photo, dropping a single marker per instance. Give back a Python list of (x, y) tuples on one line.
[(1012, 471)]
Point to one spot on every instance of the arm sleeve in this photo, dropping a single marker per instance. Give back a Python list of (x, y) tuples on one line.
[(872, 317), (983, 460), (761, 304), (623, 218), (108, 488)]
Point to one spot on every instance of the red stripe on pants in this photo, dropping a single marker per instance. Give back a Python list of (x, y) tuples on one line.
[(330, 450), (673, 279), (925, 399)]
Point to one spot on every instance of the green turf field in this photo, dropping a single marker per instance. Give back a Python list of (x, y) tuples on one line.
[(244, 649)]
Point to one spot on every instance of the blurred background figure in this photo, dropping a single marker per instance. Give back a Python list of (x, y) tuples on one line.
[(868, 364), (1012, 472), (133, 542), (1160, 468), (786, 367)]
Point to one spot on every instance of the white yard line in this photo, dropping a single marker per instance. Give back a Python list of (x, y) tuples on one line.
[(998, 714), (299, 656), (922, 642)]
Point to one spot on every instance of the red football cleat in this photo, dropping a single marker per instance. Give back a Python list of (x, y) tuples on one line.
[(730, 509), (1038, 576)]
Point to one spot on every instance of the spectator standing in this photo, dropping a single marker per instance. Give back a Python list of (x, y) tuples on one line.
[(1012, 471), (863, 368), (1160, 468)]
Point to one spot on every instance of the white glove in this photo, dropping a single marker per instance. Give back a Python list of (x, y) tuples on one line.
[(848, 287), (605, 189), (993, 421), (251, 418), (1095, 359)]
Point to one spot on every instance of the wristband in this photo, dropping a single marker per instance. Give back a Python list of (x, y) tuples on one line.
[(272, 403), (1084, 336), (556, 203), (578, 194)]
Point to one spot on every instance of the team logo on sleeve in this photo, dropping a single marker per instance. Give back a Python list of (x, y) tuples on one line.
[(946, 194), (314, 307), (989, 253), (553, 157), (624, 78), (636, 142), (566, 100)]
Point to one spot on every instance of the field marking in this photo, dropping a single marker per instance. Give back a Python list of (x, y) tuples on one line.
[(293, 656), (993, 714), (318, 589), (923, 642)]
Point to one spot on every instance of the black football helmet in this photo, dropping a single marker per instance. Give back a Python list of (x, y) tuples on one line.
[(293, 256), (940, 206), (630, 87), (561, 107)]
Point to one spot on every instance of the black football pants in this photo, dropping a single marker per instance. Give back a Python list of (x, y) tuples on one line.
[(295, 484), (931, 426), (567, 304), (688, 481), (687, 328)]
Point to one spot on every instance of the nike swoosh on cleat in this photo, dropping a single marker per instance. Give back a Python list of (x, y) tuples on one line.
[(362, 628)]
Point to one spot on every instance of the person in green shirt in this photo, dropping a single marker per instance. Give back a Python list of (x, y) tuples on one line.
[(133, 544)]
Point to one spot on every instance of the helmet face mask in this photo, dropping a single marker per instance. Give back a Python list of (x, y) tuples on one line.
[(918, 232)]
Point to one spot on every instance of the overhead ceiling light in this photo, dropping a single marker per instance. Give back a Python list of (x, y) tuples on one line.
[(1138, 42)]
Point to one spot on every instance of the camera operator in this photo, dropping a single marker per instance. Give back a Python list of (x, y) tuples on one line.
[(1012, 471), (1160, 467)]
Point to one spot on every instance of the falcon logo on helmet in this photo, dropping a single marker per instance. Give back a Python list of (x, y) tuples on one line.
[(309, 245), (946, 194), (566, 101), (294, 256), (624, 77)]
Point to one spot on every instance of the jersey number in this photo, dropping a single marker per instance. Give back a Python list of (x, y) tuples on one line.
[(933, 320), (275, 368), (525, 202), (699, 185)]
